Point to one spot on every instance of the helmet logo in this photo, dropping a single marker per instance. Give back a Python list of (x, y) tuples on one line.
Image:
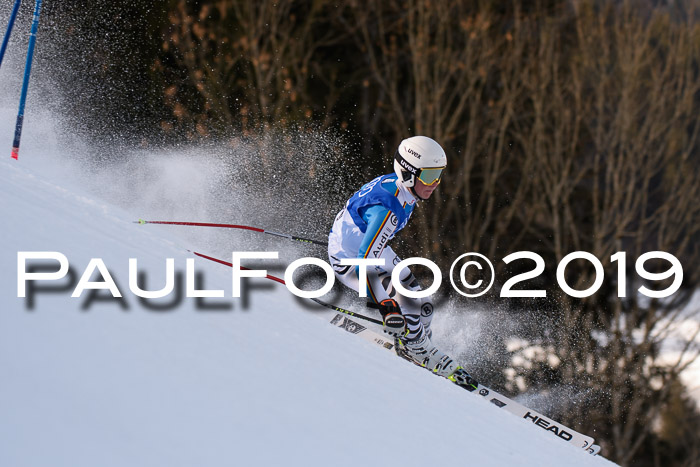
[(411, 151), (407, 166)]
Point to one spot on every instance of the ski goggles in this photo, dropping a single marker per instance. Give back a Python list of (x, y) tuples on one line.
[(430, 176)]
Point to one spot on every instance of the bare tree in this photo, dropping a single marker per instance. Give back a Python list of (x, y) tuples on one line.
[(615, 132), (251, 63)]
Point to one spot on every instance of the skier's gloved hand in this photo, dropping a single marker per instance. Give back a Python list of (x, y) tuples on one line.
[(394, 322)]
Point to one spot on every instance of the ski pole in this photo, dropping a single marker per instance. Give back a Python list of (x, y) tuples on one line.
[(25, 84), (6, 39), (347, 312), (226, 263), (281, 281), (233, 226)]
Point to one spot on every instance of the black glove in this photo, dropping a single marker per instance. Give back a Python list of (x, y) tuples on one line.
[(394, 322)]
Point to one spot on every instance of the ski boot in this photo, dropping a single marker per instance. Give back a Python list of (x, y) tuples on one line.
[(423, 353)]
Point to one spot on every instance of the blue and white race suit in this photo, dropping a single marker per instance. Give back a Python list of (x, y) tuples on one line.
[(363, 229)]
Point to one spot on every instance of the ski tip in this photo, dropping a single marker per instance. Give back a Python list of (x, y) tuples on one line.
[(15, 153), (140, 222), (594, 450)]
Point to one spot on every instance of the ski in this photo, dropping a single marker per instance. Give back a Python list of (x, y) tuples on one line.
[(499, 400), (563, 432), (356, 328)]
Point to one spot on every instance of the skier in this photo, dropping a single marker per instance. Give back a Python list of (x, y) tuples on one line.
[(363, 228)]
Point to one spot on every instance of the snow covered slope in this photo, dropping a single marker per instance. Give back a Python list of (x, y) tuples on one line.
[(94, 384)]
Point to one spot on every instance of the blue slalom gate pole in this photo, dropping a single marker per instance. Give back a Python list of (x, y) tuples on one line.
[(25, 84), (6, 39)]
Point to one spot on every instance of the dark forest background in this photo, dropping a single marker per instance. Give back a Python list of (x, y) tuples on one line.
[(569, 125)]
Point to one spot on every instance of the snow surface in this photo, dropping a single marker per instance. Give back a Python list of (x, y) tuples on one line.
[(265, 382)]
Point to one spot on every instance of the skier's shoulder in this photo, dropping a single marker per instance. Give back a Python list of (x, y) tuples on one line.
[(379, 187), (384, 183), (389, 184)]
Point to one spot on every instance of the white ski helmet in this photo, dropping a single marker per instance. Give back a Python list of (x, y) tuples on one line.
[(419, 157)]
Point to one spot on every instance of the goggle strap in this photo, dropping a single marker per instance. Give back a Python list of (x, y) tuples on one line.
[(406, 165)]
